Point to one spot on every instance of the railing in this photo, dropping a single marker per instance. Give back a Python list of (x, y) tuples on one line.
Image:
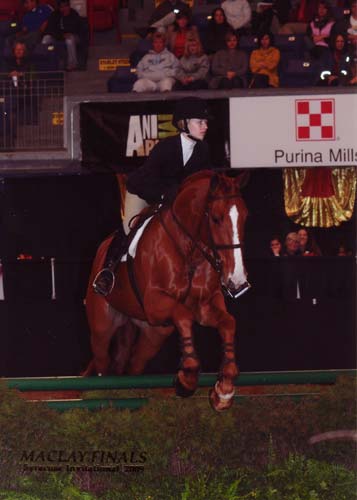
[(31, 112)]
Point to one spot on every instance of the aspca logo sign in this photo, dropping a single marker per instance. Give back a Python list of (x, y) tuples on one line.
[(145, 131), (315, 119)]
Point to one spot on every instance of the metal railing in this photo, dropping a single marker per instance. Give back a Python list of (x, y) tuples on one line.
[(31, 112)]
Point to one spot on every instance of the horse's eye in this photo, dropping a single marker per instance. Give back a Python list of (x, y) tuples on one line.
[(216, 219)]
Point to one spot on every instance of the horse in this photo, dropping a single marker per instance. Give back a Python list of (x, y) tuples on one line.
[(188, 256)]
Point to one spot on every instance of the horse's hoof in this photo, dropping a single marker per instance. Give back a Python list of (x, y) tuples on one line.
[(181, 390), (217, 404)]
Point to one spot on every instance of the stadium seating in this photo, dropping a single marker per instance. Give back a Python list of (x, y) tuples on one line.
[(103, 15), (299, 73), (122, 80)]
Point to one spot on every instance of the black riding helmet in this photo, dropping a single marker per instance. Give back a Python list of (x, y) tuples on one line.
[(187, 108)]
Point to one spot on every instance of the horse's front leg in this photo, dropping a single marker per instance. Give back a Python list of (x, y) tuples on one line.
[(187, 376), (215, 314)]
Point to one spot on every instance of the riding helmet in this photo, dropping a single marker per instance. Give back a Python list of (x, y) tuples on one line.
[(189, 107)]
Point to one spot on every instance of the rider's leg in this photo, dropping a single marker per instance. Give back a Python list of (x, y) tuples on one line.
[(104, 281)]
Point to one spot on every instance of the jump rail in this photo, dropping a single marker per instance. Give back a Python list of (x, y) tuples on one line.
[(166, 381), (322, 377)]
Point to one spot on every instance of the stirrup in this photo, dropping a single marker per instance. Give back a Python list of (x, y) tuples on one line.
[(104, 282)]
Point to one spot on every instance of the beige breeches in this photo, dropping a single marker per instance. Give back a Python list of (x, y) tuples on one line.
[(132, 206)]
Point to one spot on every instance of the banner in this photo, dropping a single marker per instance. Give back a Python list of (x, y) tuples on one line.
[(293, 131), (121, 135)]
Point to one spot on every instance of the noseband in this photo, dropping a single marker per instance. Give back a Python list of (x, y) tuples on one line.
[(211, 253)]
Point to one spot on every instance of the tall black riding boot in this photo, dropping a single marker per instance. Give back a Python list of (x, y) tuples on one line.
[(104, 281)]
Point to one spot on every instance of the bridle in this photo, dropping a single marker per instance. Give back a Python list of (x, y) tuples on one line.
[(211, 251)]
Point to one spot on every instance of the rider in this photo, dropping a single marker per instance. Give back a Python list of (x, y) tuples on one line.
[(169, 163)]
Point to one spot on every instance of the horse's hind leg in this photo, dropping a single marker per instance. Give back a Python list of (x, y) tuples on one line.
[(104, 322), (148, 344)]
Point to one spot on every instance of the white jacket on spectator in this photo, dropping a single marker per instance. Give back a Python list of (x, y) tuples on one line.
[(156, 66), (238, 12), (156, 71)]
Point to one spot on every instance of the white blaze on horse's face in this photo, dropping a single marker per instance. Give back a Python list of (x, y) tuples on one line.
[(238, 277)]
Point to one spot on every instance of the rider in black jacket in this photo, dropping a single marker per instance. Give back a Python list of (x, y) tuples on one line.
[(170, 162)]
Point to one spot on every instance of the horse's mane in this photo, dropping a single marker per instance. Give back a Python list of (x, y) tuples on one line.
[(201, 175)]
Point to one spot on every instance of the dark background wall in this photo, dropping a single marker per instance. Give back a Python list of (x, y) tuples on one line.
[(66, 217)]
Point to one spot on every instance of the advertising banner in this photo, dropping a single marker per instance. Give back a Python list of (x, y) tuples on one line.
[(293, 131), (121, 135)]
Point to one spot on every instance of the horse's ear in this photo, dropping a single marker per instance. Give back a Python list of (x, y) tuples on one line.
[(242, 179)]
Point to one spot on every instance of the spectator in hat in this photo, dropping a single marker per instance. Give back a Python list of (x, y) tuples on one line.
[(157, 70), (169, 163)]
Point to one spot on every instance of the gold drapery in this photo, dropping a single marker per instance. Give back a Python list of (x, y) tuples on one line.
[(320, 209)]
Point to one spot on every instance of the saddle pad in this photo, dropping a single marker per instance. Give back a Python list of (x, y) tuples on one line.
[(134, 243)]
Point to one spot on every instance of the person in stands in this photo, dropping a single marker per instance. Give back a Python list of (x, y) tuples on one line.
[(34, 23), (229, 66), (276, 248), (264, 63), (157, 70), (238, 14), (163, 16), (179, 32), (215, 37), (336, 66), (169, 163), (64, 24), (193, 67), (307, 244), (319, 31)]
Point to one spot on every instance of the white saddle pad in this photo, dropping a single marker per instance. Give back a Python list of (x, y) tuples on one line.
[(134, 243)]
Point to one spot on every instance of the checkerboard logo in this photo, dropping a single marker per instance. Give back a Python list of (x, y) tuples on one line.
[(315, 119)]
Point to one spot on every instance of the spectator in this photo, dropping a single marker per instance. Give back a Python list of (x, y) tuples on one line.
[(238, 14), (18, 64), (34, 23), (193, 67), (351, 27), (178, 33), (275, 247), (157, 70), (307, 244), (319, 31), (336, 68), (348, 26), (300, 15), (264, 63), (229, 66), (216, 32), (291, 245), (163, 16), (64, 24), (265, 19)]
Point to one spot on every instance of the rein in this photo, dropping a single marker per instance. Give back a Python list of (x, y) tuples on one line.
[(214, 260)]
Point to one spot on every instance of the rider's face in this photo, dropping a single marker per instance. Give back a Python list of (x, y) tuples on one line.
[(197, 128)]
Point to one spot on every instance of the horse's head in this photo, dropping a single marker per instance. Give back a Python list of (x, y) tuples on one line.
[(226, 213)]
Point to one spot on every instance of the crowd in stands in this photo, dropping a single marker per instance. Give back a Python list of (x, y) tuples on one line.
[(247, 46), (242, 44), (300, 243), (53, 30)]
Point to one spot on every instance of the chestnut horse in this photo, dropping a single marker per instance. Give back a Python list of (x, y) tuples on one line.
[(189, 253)]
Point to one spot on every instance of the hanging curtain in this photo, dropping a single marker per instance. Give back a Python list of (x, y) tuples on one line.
[(319, 196)]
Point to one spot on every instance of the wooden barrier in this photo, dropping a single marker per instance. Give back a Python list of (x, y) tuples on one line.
[(323, 377)]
